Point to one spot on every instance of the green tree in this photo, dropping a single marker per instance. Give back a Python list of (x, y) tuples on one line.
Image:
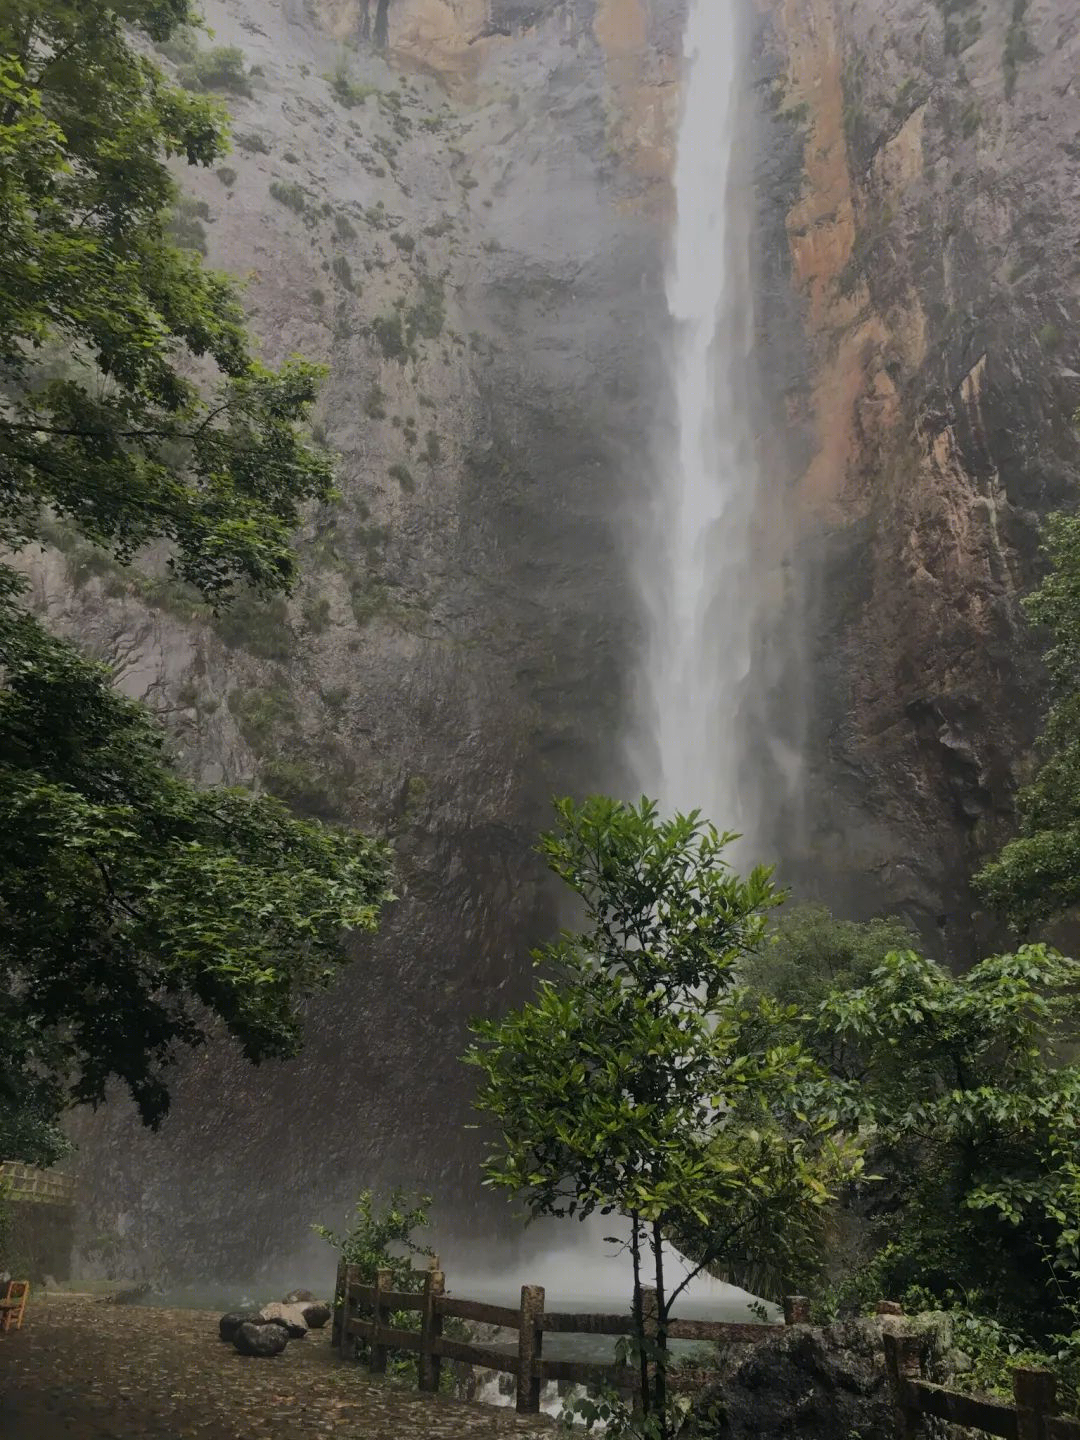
[(383, 1239), (1037, 876), (643, 1080), (138, 912), (125, 441), (134, 905), (959, 1087)]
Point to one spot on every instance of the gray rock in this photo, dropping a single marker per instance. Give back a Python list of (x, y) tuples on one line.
[(289, 1317), (255, 1339), (297, 1297), (230, 1323), (316, 1313), (817, 1384)]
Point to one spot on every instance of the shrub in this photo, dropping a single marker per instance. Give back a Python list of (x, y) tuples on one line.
[(317, 615), (318, 298), (374, 403), (343, 271), (290, 194), (389, 332), (301, 787), (432, 448), (427, 316), (344, 229), (346, 91), (253, 143), (403, 476), (219, 69), (262, 714), (227, 176), (259, 626), (404, 241), (291, 158)]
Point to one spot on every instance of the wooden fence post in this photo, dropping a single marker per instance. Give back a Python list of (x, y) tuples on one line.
[(345, 1343), (431, 1323), (339, 1304), (902, 1365), (796, 1310), (530, 1343), (383, 1280), (1035, 1397)]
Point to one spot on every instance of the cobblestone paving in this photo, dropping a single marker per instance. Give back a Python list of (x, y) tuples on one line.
[(84, 1371)]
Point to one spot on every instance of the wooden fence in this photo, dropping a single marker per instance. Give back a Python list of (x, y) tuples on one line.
[(1033, 1415), (531, 1321)]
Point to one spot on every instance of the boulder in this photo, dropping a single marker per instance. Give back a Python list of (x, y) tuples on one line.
[(231, 1322), (316, 1313), (297, 1297), (821, 1384), (289, 1317), (260, 1339)]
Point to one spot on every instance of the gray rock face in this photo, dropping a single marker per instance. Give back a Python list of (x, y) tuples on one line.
[(230, 1323), (261, 1340), (316, 1313), (289, 1317), (817, 1384)]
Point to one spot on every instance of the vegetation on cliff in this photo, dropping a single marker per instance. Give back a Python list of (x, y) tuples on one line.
[(138, 911), (1036, 877)]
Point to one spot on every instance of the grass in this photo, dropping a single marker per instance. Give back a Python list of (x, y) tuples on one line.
[(289, 194)]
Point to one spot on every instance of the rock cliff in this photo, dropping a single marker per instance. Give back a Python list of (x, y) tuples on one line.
[(920, 185), (470, 228)]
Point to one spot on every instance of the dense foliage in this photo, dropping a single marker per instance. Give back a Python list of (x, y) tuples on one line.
[(1037, 876), (383, 1239), (102, 315), (643, 1080), (966, 1095), (136, 910)]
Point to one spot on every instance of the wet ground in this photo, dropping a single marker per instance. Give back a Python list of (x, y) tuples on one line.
[(81, 1370)]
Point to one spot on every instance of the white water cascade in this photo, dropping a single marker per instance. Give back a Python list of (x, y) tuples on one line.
[(695, 565)]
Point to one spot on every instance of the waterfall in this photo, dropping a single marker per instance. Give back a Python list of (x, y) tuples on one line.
[(695, 567)]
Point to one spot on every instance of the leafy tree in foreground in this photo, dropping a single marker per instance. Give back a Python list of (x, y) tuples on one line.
[(959, 1085), (1037, 876), (126, 442), (643, 1081), (133, 905), (136, 911)]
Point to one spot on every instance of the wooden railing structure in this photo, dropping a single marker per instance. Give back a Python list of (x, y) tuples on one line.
[(1033, 1415), (531, 1321)]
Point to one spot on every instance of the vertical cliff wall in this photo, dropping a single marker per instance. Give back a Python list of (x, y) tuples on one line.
[(920, 185)]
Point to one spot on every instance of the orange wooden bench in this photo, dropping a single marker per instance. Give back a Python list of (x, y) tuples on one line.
[(13, 1304)]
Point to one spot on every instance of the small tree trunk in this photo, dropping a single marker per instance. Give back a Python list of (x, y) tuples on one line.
[(639, 1315), (661, 1331)]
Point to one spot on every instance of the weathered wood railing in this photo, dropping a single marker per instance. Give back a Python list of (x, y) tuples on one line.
[(531, 1321), (1033, 1415)]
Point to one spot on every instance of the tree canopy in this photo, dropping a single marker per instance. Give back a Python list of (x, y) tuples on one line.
[(1037, 876), (643, 1080), (965, 1091), (160, 423), (138, 911)]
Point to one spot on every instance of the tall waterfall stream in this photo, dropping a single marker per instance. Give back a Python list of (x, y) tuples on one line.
[(695, 567)]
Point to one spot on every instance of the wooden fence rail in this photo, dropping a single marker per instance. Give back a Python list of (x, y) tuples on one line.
[(531, 1321), (1033, 1415)]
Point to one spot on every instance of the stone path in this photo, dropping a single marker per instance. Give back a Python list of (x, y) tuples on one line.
[(84, 1371)]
